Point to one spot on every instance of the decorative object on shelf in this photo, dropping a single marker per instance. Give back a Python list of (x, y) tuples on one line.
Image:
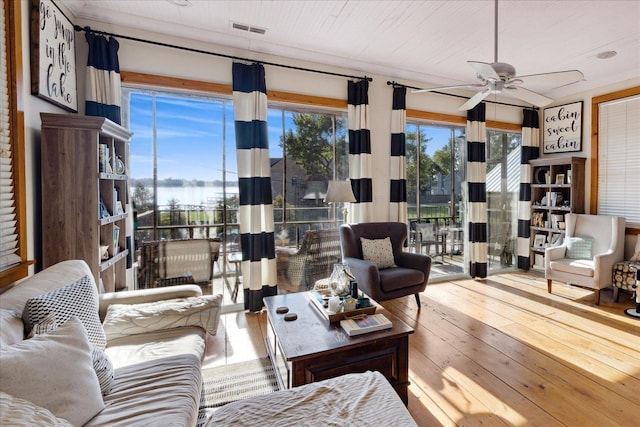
[(340, 279), (103, 157), (120, 169), (104, 213), (340, 192), (539, 241), (562, 130), (560, 179), (53, 55), (104, 252), (569, 176), (116, 237), (541, 175)]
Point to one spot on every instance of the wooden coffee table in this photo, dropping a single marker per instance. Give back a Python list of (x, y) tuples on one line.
[(311, 349)]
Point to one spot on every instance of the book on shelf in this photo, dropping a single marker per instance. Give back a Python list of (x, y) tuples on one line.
[(365, 324)]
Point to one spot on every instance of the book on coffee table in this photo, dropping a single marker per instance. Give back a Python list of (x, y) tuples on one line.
[(368, 323)]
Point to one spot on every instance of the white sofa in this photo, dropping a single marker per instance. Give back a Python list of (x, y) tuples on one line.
[(157, 378)]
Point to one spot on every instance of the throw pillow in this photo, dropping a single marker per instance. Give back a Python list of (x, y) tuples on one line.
[(579, 247), (11, 328), (79, 299), (378, 251), (54, 371), (131, 319), (22, 413), (101, 362)]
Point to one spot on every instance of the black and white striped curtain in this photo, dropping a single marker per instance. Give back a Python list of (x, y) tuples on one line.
[(477, 190), (398, 164), (254, 183), (103, 78), (530, 150), (360, 172)]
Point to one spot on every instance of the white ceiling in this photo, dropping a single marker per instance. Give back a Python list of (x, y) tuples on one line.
[(410, 41)]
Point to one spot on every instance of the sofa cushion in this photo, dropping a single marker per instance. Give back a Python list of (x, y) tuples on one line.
[(162, 392), (101, 363), (134, 349), (579, 247), (11, 328), (393, 279), (582, 267), (55, 371), (79, 299), (132, 319), (378, 251), (18, 412)]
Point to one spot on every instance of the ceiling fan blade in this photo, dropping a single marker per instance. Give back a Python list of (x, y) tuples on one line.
[(529, 96), (433, 89), (546, 81), (485, 70), (475, 100)]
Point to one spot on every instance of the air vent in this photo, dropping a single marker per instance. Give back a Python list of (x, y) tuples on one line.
[(244, 27)]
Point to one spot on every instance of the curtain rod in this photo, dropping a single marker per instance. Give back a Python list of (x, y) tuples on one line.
[(206, 52), (394, 83)]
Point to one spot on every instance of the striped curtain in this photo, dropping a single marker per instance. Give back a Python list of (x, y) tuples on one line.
[(530, 150), (477, 190), (254, 183), (398, 164), (360, 171), (103, 78)]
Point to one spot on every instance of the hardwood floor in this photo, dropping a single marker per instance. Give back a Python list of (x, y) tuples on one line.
[(501, 351)]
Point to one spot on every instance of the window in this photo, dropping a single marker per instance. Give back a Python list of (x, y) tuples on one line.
[(13, 249), (618, 153), (503, 187), (184, 181)]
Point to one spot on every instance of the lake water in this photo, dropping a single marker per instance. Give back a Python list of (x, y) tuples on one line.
[(193, 195)]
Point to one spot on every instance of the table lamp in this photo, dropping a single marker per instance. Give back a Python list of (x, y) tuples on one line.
[(340, 192)]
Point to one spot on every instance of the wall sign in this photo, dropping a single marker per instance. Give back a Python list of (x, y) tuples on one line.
[(53, 55), (562, 128)]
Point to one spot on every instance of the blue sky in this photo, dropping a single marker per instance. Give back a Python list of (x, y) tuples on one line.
[(190, 135)]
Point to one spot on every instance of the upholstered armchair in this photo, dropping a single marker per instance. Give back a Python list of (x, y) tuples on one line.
[(402, 273), (592, 245)]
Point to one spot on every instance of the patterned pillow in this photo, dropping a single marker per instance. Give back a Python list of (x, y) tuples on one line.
[(378, 251), (101, 363), (78, 299), (579, 247)]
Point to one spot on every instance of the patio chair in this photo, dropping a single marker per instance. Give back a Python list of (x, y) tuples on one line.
[(319, 251), (175, 262)]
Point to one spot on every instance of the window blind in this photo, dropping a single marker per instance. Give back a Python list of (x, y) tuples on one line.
[(618, 158), (8, 220)]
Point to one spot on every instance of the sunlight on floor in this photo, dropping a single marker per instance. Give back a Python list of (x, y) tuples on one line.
[(459, 396)]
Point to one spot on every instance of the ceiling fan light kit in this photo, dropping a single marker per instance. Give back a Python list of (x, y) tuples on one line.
[(501, 78)]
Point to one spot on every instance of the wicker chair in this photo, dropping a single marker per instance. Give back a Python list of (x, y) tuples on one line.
[(176, 262), (314, 260)]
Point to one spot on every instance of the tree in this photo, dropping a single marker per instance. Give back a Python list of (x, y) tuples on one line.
[(142, 198), (311, 146), (426, 163)]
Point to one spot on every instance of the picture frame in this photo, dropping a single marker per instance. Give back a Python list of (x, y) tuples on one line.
[(557, 239), (539, 240), (53, 55), (562, 128), (560, 179)]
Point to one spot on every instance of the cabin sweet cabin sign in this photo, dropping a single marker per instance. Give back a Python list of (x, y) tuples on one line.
[(562, 130)]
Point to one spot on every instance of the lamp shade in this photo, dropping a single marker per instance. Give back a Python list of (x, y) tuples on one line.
[(339, 192)]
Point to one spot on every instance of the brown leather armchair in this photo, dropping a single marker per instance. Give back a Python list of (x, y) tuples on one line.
[(412, 270)]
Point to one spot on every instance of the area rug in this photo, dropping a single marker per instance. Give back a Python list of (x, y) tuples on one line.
[(228, 383)]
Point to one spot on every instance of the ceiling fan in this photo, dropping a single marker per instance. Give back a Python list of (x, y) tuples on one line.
[(500, 77)]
